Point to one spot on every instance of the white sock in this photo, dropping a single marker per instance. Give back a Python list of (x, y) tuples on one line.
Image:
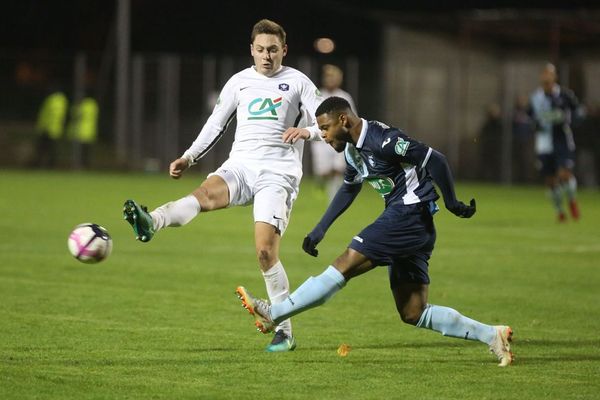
[(176, 213), (278, 289)]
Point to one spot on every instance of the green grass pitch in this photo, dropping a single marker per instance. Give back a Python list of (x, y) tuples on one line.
[(160, 320)]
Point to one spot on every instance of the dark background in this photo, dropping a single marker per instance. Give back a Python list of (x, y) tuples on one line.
[(223, 26), (39, 41)]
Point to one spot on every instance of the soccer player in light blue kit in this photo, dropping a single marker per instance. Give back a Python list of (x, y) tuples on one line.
[(402, 170), (553, 108)]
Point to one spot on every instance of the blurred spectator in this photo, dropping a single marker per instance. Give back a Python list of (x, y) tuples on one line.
[(595, 142), (83, 130), (50, 127), (490, 141), (522, 154), (329, 165), (587, 134)]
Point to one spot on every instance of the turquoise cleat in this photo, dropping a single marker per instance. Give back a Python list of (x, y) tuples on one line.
[(281, 342), (139, 218)]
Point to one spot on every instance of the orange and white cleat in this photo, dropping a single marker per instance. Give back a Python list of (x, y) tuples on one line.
[(501, 345), (259, 308)]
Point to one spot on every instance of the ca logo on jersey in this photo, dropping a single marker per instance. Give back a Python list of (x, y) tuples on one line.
[(260, 108)]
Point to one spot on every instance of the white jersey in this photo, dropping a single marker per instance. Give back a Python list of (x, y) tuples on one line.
[(265, 107)]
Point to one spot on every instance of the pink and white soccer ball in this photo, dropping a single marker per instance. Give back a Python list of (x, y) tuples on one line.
[(90, 243)]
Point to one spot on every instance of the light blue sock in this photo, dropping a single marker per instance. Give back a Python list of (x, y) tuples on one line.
[(555, 195), (315, 291), (450, 322), (570, 188)]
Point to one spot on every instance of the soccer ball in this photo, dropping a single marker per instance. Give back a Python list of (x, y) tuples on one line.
[(90, 243)]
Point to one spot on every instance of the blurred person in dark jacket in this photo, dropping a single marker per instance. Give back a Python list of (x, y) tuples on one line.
[(522, 129), (490, 140)]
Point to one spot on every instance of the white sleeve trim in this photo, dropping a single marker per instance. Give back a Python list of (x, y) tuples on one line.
[(189, 159), (363, 133), (358, 182), (426, 158)]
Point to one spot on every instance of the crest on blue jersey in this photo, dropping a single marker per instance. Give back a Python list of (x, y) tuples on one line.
[(401, 146), (284, 87)]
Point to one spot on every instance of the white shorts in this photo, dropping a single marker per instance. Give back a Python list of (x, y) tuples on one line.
[(272, 193), (326, 160)]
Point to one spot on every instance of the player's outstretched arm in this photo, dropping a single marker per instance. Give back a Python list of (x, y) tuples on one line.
[(177, 167), (216, 124), (440, 172), (340, 203)]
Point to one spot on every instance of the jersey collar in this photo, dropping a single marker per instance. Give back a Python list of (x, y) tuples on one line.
[(363, 134), (264, 76)]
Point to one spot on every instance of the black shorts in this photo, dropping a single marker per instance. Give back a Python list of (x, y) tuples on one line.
[(562, 157), (402, 238)]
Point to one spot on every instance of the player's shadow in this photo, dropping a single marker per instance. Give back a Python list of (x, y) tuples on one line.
[(527, 352), (521, 348)]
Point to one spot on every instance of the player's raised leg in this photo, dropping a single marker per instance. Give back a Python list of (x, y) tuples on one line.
[(211, 195), (314, 292)]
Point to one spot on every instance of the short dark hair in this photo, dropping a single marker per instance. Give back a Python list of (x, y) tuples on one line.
[(333, 104), (269, 27)]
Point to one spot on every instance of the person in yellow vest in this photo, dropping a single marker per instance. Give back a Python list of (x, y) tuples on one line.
[(83, 129), (50, 126)]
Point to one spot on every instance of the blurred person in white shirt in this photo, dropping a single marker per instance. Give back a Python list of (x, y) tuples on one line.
[(328, 165)]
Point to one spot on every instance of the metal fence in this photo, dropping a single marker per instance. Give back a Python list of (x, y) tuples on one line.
[(434, 94)]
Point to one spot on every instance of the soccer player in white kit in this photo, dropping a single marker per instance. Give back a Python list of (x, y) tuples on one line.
[(264, 165)]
